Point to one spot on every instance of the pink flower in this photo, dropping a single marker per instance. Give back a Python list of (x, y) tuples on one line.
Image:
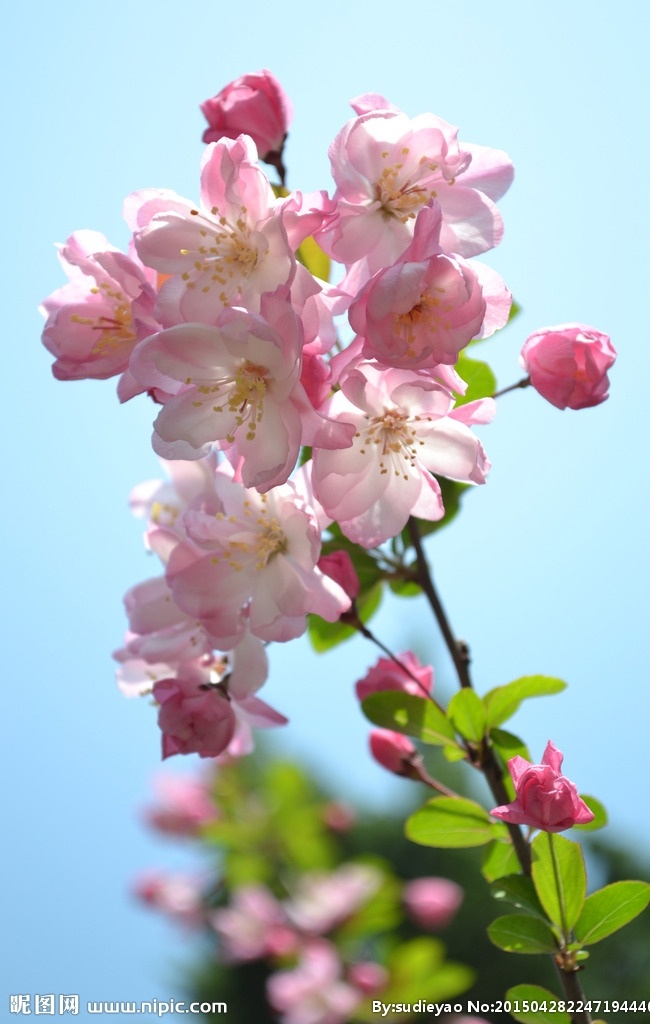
[(254, 925), (339, 567), (387, 675), (426, 307), (323, 900), (545, 799), (432, 902), (178, 895), (185, 806), (368, 976), (94, 322), (404, 434), (313, 992), (568, 364), (194, 717), (393, 751), (254, 105)]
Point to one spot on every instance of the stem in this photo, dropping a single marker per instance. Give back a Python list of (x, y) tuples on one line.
[(458, 650), (487, 762), (351, 618), (558, 887), (523, 383)]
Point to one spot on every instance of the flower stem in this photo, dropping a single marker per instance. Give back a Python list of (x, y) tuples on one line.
[(523, 383)]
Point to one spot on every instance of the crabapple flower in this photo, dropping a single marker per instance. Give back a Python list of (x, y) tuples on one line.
[(178, 895), (313, 992), (404, 433), (568, 364), (95, 321), (424, 309), (393, 751), (322, 901), (227, 252), (544, 798), (236, 385), (255, 105), (387, 167), (184, 806), (340, 567), (253, 926), (251, 562), (387, 675), (194, 717), (432, 902)]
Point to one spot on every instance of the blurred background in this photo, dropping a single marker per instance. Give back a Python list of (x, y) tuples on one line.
[(546, 571)]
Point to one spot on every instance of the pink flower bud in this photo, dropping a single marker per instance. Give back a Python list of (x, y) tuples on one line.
[(393, 751), (568, 364), (194, 718), (254, 105), (369, 977), (339, 566), (432, 902), (545, 799), (388, 675)]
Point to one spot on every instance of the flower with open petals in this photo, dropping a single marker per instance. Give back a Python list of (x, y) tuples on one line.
[(545, 798)]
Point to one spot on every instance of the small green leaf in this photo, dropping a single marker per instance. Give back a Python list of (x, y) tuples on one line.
[(312, 256), (411, 715), (560, 878), (520, 891), (479, 378), (609, 909), (507, 745), (537, 996), (452, 754), (468, 716), (519, 934), (499, 859), (503, 701), (599, 812), (449, 823)]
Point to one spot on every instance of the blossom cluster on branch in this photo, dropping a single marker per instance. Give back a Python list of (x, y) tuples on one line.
[(313, 432)]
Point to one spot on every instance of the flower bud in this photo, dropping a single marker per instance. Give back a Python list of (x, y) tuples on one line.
[(432, 902), (393, 751), (254, 105), (568, 365), (545, 798)]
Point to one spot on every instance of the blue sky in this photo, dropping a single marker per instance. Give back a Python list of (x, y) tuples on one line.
[(547, 569)]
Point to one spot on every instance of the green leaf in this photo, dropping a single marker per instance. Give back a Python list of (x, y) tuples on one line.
[(599, 812), (535, 994), (508, 745), (519, 934), (312, 256), (560, 878), (503, 701), (325, 635), (468, 716), (408, 714), (479, 378), (520, 891), (609, 909), (450, 822), (499, 859)]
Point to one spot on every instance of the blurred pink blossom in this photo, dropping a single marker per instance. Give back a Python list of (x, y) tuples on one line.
[(432, 902)]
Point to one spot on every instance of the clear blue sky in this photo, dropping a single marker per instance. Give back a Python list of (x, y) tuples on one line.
[(547, 570)]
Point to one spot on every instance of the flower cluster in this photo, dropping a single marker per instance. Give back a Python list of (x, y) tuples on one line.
[(221, 314)]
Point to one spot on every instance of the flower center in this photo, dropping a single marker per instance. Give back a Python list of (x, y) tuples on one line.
[(227, 255), (394, 439), (114, 331), (401, 198)]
